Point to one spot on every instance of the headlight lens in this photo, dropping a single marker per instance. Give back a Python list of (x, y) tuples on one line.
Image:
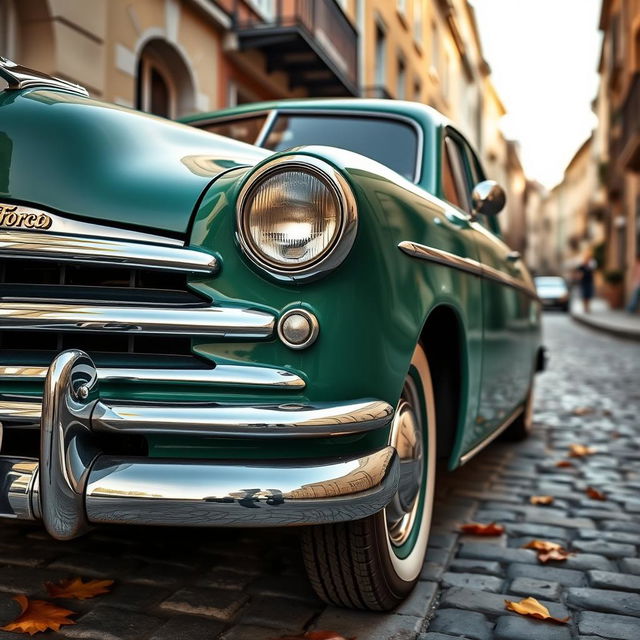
[(296, 218), (292, 218)]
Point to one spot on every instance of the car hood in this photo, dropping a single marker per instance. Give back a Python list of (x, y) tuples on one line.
[(108, 164)]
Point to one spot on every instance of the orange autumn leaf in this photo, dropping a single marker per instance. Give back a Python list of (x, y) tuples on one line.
[(37, 616), (582, 411), (565, 464), (580, 450), (533, 609), (479, 529), (543, 500), (316, 635), (542, 545), (594, 494), (75, 588), (557, 555)]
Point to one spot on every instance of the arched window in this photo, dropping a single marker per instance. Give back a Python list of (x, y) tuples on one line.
[(8, 29), (164, 84)]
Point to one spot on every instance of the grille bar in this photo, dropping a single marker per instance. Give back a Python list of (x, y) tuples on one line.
[(222, 322), (105, 251), (227, 375)]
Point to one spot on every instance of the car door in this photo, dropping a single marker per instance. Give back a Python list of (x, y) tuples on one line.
[(507, 366)]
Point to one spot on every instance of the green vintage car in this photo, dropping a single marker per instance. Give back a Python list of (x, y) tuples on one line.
[(280, 315)]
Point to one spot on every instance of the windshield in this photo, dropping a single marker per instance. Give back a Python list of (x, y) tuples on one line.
[(391, 142), (548, 281)]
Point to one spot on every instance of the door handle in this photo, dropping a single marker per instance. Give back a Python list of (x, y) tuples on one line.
[(513, 256)]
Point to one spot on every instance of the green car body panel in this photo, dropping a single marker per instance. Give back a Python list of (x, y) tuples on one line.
[(102, 163)]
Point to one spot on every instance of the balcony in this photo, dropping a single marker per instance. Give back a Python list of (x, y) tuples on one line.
[(630, 142), (312, 41)]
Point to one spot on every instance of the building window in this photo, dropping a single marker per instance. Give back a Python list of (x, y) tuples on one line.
[(401, 80), (8, 29), (156, 92), (165, 85), (417, 89), (381, 56), (417, 21)]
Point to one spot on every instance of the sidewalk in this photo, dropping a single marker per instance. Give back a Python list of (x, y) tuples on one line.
[(616, 321)]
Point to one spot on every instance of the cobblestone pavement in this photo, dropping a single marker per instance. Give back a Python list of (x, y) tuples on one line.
[(250, 585)]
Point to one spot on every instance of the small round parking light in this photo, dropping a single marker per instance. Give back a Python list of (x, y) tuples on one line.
[(298, 328)]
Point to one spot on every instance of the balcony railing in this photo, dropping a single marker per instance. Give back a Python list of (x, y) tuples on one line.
[(310, 40), (630, 142)]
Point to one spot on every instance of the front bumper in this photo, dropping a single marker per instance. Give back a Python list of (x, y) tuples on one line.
[(74, 483)]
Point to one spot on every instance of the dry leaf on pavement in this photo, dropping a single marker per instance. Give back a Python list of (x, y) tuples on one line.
[(557, 555), (75, 588), (542, 545), (594, 494), (316, 635), (582, 411), (541, 500), (580, 450), (38, 616), (479, 529), (565, 464), (532, 608)]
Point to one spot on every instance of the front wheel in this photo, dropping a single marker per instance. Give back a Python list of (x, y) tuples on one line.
[(375, 562)]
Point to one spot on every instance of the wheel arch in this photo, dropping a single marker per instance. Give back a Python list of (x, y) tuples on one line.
[(447, 359)]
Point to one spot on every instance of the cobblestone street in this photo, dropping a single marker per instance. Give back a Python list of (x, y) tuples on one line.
[(250, 585)]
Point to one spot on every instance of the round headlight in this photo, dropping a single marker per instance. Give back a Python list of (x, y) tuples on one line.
[(296, 217)]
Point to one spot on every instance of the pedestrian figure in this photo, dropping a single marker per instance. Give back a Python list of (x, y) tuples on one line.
[(634, 302), (586, 270)]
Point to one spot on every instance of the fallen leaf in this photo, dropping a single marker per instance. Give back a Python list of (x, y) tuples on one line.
[(594, 494), (316, 635), (557, 555), (75, 588), (582, 411), (479, 529), (532, 608), (542, 545), (565, 464), (580, 450), (37, 616), (543, 500)]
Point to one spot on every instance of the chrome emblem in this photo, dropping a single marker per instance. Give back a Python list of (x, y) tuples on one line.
[(11, 216)]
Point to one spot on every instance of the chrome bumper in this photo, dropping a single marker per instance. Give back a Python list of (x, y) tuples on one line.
[(74, 483)]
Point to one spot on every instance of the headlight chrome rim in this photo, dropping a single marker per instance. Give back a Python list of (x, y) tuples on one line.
[(334, 254)]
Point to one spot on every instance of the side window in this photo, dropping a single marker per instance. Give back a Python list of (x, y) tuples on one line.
[(453, 181)]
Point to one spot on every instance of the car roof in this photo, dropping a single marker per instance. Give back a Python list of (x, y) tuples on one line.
[(416, 110)]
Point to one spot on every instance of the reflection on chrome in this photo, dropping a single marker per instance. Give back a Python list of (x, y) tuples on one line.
[(20, 244), (79, 484), (221, 322), (227, 375)]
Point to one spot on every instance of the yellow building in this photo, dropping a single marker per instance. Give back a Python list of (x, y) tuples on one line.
[(618, 109)]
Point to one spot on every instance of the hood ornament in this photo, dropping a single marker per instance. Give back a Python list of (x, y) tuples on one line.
[(20, 77)]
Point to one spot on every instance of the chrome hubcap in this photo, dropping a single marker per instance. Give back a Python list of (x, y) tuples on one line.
[(406, 437)]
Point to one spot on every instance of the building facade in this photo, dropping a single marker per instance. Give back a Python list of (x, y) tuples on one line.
[(174, 57), (618, 109)]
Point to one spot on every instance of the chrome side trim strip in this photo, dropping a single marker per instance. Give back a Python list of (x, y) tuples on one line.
[(224, 322), (467, 265), (491, 437), (13, 409), (441, 257), (200, 493), (228, 375), (44, 246), (19, 77), (234, 420)]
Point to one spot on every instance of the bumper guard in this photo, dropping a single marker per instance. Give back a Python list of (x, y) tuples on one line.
[(74, 484)]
